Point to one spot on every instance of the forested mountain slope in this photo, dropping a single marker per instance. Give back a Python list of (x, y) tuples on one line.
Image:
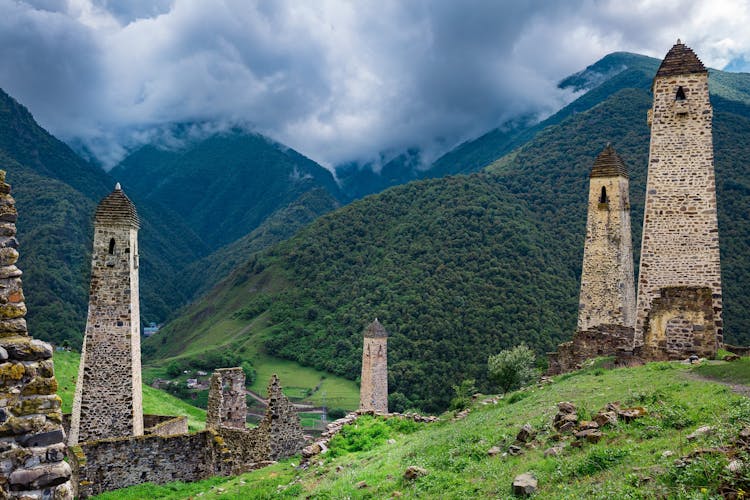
[(460, 267)]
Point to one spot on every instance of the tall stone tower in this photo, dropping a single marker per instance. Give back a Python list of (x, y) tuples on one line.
[(679, 284), (32, 447), (108, 400), (607, 284), (373, 392)]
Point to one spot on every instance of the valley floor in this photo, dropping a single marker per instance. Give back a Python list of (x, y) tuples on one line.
[(650, 457)]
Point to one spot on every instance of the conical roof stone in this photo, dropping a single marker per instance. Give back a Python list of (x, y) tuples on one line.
[(117, 209), (609, 164), (680, 60), (375, 330)]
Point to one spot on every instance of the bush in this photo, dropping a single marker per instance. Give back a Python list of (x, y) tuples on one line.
[(512, 368), (336, 413), (463, 392), (363, 435), (174, 369)]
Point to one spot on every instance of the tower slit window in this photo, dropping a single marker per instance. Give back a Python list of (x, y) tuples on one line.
[(112, 246), (680, 96), (603, 196)]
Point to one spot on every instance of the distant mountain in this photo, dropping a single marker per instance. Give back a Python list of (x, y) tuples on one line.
[(57, 193), (460, 267), (225, 185)]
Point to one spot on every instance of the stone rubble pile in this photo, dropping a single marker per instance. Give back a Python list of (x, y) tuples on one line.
[(32, 445)]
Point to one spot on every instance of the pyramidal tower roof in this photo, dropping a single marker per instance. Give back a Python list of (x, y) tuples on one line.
[(117, 209), (608, 164), (680, 60), (375, 330)]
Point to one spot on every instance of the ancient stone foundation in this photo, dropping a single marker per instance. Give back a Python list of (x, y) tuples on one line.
[(602, 340), (32, 445)]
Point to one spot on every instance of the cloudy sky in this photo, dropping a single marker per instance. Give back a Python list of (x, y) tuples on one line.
[(337, 80)]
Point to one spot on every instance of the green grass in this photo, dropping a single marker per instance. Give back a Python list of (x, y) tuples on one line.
[(154, 401), (626, 463), (735, 372)]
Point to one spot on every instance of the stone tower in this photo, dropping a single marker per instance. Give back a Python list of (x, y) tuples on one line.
[(679, 284), (108, 400), (373, 392), (32, 447), (607, 286), (227, 406)]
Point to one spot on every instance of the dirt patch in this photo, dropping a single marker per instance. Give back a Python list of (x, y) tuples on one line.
[(742, 389)]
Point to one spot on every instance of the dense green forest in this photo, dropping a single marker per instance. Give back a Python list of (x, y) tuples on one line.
[(461, 267)]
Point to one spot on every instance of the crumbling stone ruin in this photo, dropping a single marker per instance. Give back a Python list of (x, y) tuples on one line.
[(373, 392), (679, 301), (32, 441), (108, 399), (680, 247), (227, 406), (606, 314)]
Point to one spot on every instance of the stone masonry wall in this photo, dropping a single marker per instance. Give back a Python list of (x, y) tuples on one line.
[(601, 340), (374, 380), (281, 423), (108, 400), (32, 445), (169, 427), (111, 464), (607, 282), (680, 246), (227, 404)]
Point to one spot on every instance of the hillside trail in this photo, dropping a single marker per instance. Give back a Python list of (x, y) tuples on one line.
[(741, 389)]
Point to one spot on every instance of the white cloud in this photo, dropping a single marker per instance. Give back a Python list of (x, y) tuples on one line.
[(336, 80)]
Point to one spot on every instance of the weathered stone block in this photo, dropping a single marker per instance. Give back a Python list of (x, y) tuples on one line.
[(42, 476)]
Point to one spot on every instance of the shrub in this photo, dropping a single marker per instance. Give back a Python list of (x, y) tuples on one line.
[(512, 368), (463, 393), (363, 435)]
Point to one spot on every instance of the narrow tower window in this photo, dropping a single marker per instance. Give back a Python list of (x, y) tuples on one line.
[(112, 246), (603, 197), (680, 94)]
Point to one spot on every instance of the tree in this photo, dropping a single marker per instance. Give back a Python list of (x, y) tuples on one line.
[(463, 391), (512, 368)]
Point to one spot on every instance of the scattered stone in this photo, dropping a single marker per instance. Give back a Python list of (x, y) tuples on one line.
[(587, 424), (546, 380), (667, 454), (590, 435), (526, 434), (514, 450), (566, 407), (735, 466), (495, 450), (413, 472), (462, 414), (524, 484), (396, 494), (339, 468), (604, 418), (361, 485), (391, 441), (731, 357), (702, 431), (555, 451), (630, 414)]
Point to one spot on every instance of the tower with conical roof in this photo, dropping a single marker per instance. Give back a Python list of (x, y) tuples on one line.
[(373, 392), (607, 283), (108, 400), (679, 284)]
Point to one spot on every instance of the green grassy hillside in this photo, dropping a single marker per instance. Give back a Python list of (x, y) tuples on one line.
[(632, 460)]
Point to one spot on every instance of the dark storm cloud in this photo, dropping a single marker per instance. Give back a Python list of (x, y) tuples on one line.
[(337, 80)]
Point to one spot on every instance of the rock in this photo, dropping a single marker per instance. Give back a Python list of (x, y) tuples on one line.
[(515, 450), (396, 494), (339, 468), (361, 485), (667, 454), (587, 424), (524, 484), (590, 435), (311, 450), (495, 450), (565, 407), (391, 441), (735, 466), (703, 431), (42, 439), (43, 476), (25, 348), (413, 472), (567, 427), (604, 418), (731, 357), (630, 414), (555, 451), (3, 354), (526, 434)]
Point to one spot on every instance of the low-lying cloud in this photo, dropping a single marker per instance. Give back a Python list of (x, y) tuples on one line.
[(339, 81)]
